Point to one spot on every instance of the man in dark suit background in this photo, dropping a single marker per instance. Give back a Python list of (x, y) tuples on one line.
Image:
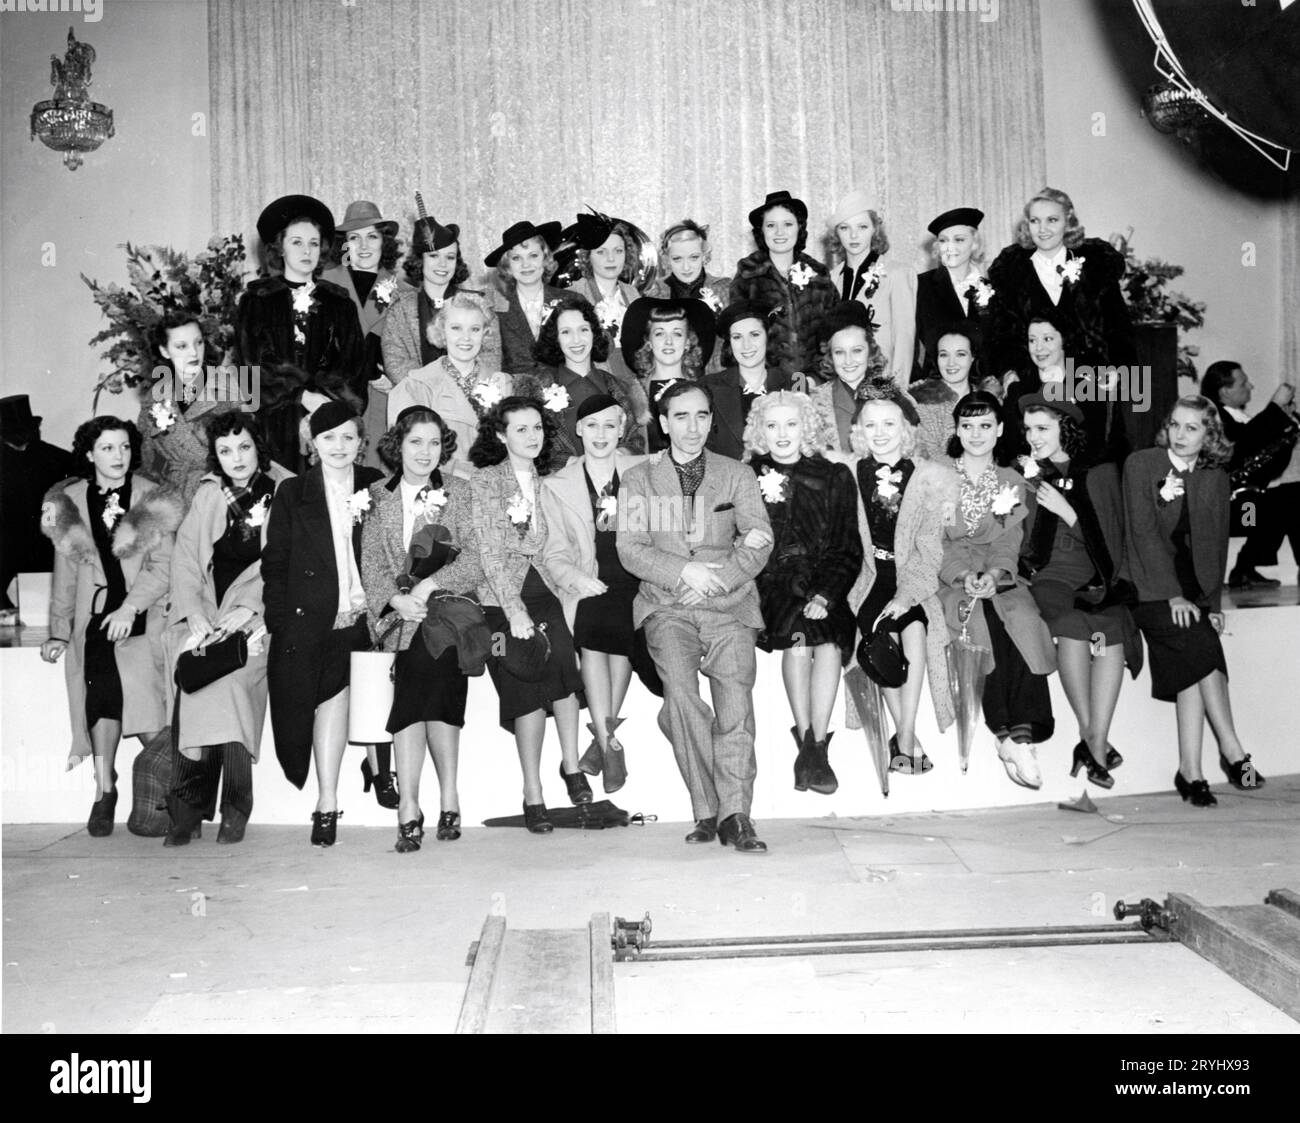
[(1227, 385), (693, 528), (29, 467)]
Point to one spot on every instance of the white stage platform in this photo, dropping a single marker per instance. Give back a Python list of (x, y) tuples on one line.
[(1262, 645)]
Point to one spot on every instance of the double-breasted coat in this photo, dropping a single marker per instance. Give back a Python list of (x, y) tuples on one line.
[(300, 593), (143, 541)]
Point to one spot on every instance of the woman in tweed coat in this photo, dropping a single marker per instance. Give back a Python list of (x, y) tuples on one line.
[(430, 692), (515, 438)]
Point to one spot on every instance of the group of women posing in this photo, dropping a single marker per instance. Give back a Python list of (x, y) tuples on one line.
[(513, 409)]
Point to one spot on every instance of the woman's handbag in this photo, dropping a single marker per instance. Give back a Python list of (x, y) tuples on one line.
[(882, 659), (205, 664), (370, 699)]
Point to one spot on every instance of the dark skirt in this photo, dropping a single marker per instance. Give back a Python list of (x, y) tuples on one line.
[(883, 590), (427, 689), (1180, 657), (1056, 605), (604, 623), (336, 658), (103, 680), (518, 698)]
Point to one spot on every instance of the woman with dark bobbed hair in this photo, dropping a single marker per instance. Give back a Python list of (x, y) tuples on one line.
[(663, 342), (299, 329), (571, 347), (112, 531), (537, 674), (779, 275), (216, 591), (176, 401), (1176, 530), (430, 691)]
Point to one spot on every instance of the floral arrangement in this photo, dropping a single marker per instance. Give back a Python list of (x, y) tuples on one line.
[(772, 484), (1145, 286), (520, 510), (1071, 271), (607, 516), (163, 415), (555, 398), (980, 291), (162, 279), (358, 504), (1005, 501), (428, 502), (800, 275), (1170, 489), (256, 516), (872, 278), (887, 481), (385, 292), (112, 511)]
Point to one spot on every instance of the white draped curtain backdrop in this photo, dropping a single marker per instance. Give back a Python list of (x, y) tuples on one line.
[(500, 110)]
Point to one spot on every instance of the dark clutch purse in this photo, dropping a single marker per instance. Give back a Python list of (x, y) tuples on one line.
[(204, 665), (880, 656)]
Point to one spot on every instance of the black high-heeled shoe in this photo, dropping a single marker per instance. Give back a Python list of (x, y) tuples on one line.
[(102, 812), (384, 783), (324, 827), (1197, 791), (448, 826), (1097, 774), (410, 835), (1113, 759), (576, 782), (1242, 775)]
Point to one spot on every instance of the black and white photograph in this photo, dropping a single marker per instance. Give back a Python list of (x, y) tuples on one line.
[(722, 517)]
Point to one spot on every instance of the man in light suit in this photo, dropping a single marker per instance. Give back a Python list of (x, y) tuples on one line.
[(693, 528)]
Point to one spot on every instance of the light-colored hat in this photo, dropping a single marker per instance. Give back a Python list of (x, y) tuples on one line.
[(363, 213), (855, 202)]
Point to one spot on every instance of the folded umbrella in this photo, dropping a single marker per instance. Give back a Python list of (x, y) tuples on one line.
[(865, 706), (966, 662)]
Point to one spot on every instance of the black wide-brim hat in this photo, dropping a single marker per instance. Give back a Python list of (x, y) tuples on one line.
[(796, 207), (289, 207), (636, 324), (848, 314), (549, 232), (741, 310), (16, 415), (958, 216)]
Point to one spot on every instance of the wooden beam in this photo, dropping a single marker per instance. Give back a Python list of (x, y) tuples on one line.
[(1286, 899), (1258, 945), (602, 974), (482, 977)]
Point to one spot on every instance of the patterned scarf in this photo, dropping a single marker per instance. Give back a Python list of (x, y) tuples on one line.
[(240, 502), (976, 496)]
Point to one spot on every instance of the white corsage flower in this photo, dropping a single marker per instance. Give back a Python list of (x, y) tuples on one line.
[(1172, 488), (981, 292), (871, 279), (610, 313), (257, 513), (772, 484), (112, 511), (520, 510), (555, 398), (429, 502), (1029, 468), (887, 481), (800, 275), (711, 298), (358, 504), (163, 414), (487, 394), (302, 298), (608, 509), (1004, 502), (385, 291), (1071, 271)]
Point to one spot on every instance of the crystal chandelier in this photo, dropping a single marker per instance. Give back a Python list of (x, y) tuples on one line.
[(70, 122)]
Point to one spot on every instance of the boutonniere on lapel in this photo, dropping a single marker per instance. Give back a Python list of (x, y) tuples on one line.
[(607, 508), (112, 511), (1071, 271), (163, 414), (772, 484), (979, 291), (871, 279), (555, 398), (800, 275), (1005, 501), (610, 312), (256, 516), (384, 292), (520, 510), (303, 301), (1171, 488), (711, 298), (887, 481), (358, 504), (428, 503)]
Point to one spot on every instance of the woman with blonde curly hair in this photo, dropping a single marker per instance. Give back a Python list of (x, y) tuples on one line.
[(1055, 269), (903, 503), (458, 387), (816, 556), (1176, 533)]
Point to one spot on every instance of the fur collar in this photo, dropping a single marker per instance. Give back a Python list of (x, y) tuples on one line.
[(269, 286), (932, 391), (155, 513), (758, 263)]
